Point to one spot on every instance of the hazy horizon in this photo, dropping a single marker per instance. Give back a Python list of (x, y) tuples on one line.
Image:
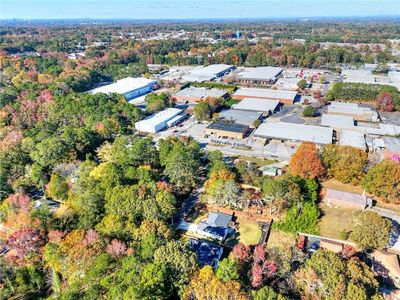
[(196, 10)]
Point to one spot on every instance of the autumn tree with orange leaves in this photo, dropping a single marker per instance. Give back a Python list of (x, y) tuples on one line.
[(306, 162)]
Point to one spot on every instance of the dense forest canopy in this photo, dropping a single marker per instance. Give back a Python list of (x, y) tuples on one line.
[(113, 234)]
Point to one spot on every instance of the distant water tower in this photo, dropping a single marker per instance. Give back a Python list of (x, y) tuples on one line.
[(238, 34)]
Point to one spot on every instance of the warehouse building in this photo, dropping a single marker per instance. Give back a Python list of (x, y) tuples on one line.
[(194, 94), (240, 117), (259, 76), (227, 129), (130, 87), (359, 113), (158, 121), (286, 97), (352, 138), (358, 76), (288, 83), (337, 121), (265, 106), (295, 132), (208, 73)]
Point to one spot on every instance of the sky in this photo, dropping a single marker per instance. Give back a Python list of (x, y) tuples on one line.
[(195, 9)]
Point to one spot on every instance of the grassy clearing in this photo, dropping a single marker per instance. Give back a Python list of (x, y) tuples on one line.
[(249, 232), (335, 220)]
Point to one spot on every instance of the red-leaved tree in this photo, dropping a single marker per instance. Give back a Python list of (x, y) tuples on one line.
[(241, 253), (117, 248), (385, 102), (25, 246)]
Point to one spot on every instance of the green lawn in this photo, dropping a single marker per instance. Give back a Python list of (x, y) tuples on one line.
[(249, 232), (335, 220)]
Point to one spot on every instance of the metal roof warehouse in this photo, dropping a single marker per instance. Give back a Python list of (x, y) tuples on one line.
[(207, 73), (295, 132), (337, 121), (352, 138), (195, 94), (287, 97), (158, 121), (240, 116), (261, 74), (266, 106), (130, 87)]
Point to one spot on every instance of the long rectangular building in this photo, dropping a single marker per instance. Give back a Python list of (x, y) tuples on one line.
[(259, 76), (130, 87), (240, 116), (359, 113), (265, 106), (287, 97), (207, 73), (295, 132), (337, 121), (352, 138), (194, 94), (159, 121)]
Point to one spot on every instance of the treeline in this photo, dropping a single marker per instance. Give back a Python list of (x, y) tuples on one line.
[(210, 85), (361, 92)]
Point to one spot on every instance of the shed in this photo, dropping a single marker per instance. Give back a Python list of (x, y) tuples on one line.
[(345, 199)]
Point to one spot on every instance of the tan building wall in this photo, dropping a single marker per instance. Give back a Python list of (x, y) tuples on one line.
[(230, 134), (340, 203)]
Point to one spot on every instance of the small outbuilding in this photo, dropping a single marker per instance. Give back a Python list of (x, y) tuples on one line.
[(337, 198)]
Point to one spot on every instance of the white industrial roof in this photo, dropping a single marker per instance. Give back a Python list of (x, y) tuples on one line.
[(364, 76), (392, 144), (123, 86), (265, 93), (350, 110), (201, 92), (261, 73), (297, 132), (206, 73), (259, 104), (160, 117), (240, 116), (343, 104), (337, 121), (352, 138), (214, 69), (289, 81), (383, 129)]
